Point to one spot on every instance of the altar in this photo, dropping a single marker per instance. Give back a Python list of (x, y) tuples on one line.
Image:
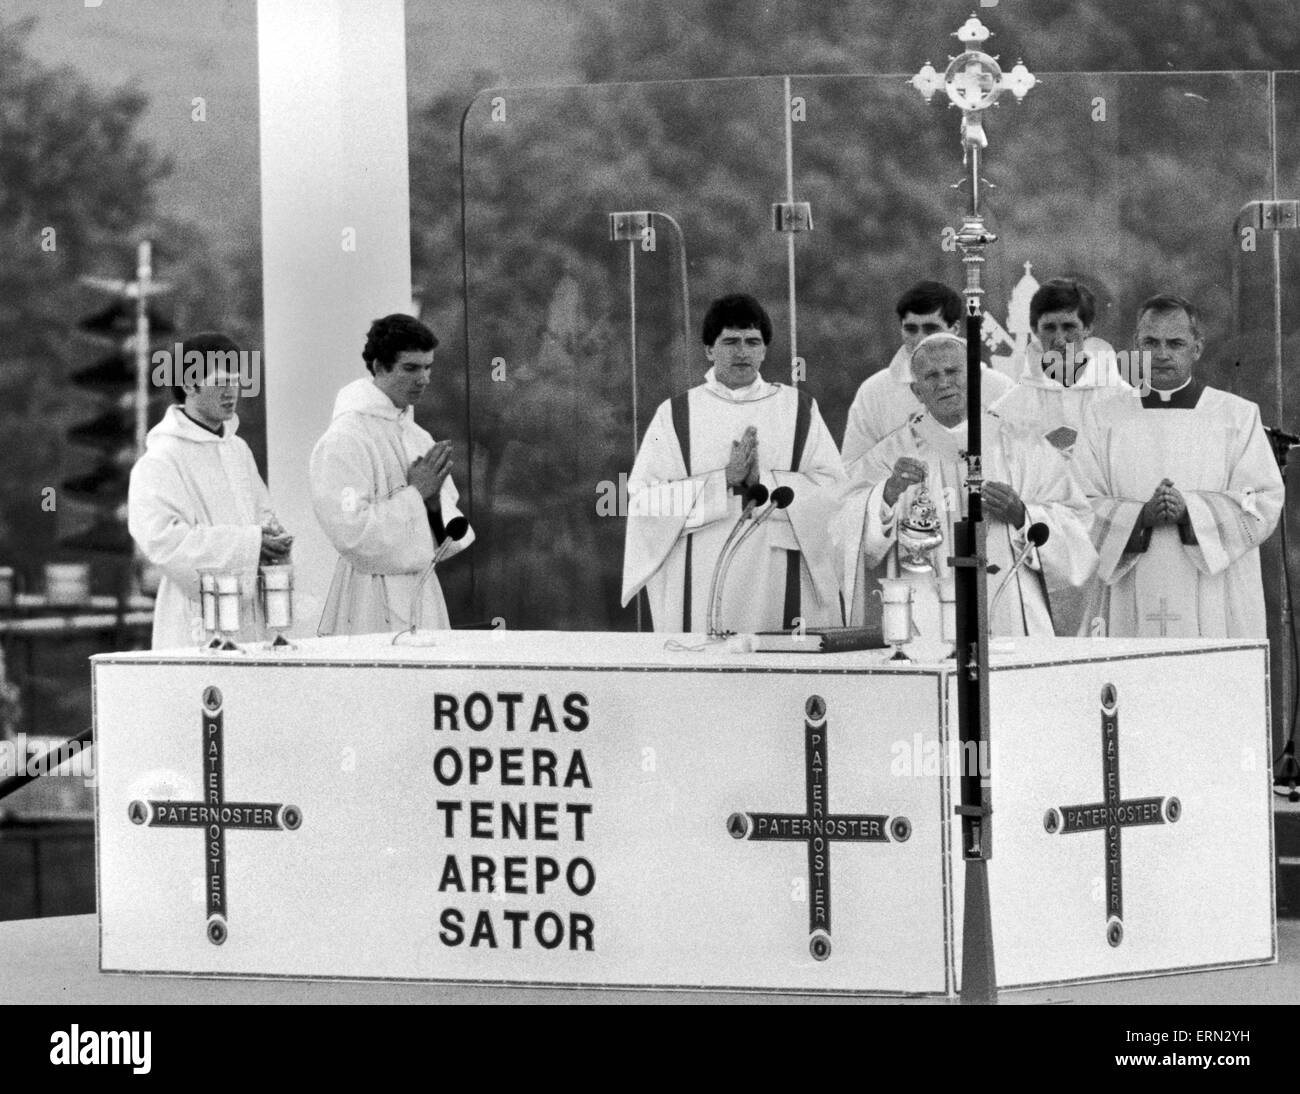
[(615, 809)]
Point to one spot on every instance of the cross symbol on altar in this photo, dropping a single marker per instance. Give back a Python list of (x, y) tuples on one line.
[(214, 815), (817, 828), (1164, 617), (1112, 815)]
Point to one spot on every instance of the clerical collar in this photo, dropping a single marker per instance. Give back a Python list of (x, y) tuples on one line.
[(747, 394), (220, 431), (1183, 397)]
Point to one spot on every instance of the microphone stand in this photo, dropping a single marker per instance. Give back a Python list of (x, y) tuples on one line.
[(1036, 536), (780, 498), (755, 495), (456, 529)]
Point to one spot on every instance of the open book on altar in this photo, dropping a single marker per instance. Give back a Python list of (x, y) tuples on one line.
[(820, 640)]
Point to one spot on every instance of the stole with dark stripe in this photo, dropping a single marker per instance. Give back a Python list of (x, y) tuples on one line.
[(680, 407), (681, 415)]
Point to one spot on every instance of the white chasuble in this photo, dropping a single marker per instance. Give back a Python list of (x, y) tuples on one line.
[(681, 512)]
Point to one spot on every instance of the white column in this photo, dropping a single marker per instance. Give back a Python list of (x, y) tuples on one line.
[(336, 241)]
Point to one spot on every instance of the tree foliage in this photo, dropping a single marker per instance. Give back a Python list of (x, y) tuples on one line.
[(75, 180), (78, 190)]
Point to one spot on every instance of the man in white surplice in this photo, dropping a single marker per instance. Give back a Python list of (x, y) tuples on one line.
[(703, 449), (1067, 373), (1026, 482), (196, 500), (1185, 489), (382, 490)]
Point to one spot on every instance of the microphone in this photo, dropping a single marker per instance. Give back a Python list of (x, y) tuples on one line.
[(455, 529), (1281, 435), (755, 496), (781, 497), (1036, 536)]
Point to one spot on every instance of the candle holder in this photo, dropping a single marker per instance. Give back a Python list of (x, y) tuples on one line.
[(948, 614), (275, 588), (896, 614), (208, 606), (228, 596)]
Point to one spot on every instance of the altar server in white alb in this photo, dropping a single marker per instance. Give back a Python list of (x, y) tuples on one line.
[(383, 493), (1026, 482), (702, 451), (196, 501), (886, 400), (1068, 372), (1185, 488)]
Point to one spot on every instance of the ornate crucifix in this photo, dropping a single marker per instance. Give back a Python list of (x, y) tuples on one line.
[(973, 82)]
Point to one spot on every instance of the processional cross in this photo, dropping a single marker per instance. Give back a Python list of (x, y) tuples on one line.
[(973, 81)]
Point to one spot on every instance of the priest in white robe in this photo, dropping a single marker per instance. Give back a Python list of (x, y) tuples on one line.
[(1068, 372), (701, 452), (885, 401), (1185, 489), (383, 493), (1026, 482)]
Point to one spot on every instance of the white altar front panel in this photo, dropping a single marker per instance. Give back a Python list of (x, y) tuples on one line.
[(1196, 891), (679, 764), (670, 754)]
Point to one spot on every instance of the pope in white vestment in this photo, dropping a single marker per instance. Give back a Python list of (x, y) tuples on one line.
[(377, 522), (1185, 488), (197, 502), (681, 510), (1022, 465), (885, 402)]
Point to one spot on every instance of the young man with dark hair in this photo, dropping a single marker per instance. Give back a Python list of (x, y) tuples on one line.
[(1067, 374), (1067, 370), (1067, 308), (196, 501), (1185, 487), (703, 450), (885, 400), (382, 490)]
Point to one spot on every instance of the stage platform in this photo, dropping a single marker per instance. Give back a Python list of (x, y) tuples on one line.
[(54, 961)]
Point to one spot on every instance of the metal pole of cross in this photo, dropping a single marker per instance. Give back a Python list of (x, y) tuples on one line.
[(973, 81)]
